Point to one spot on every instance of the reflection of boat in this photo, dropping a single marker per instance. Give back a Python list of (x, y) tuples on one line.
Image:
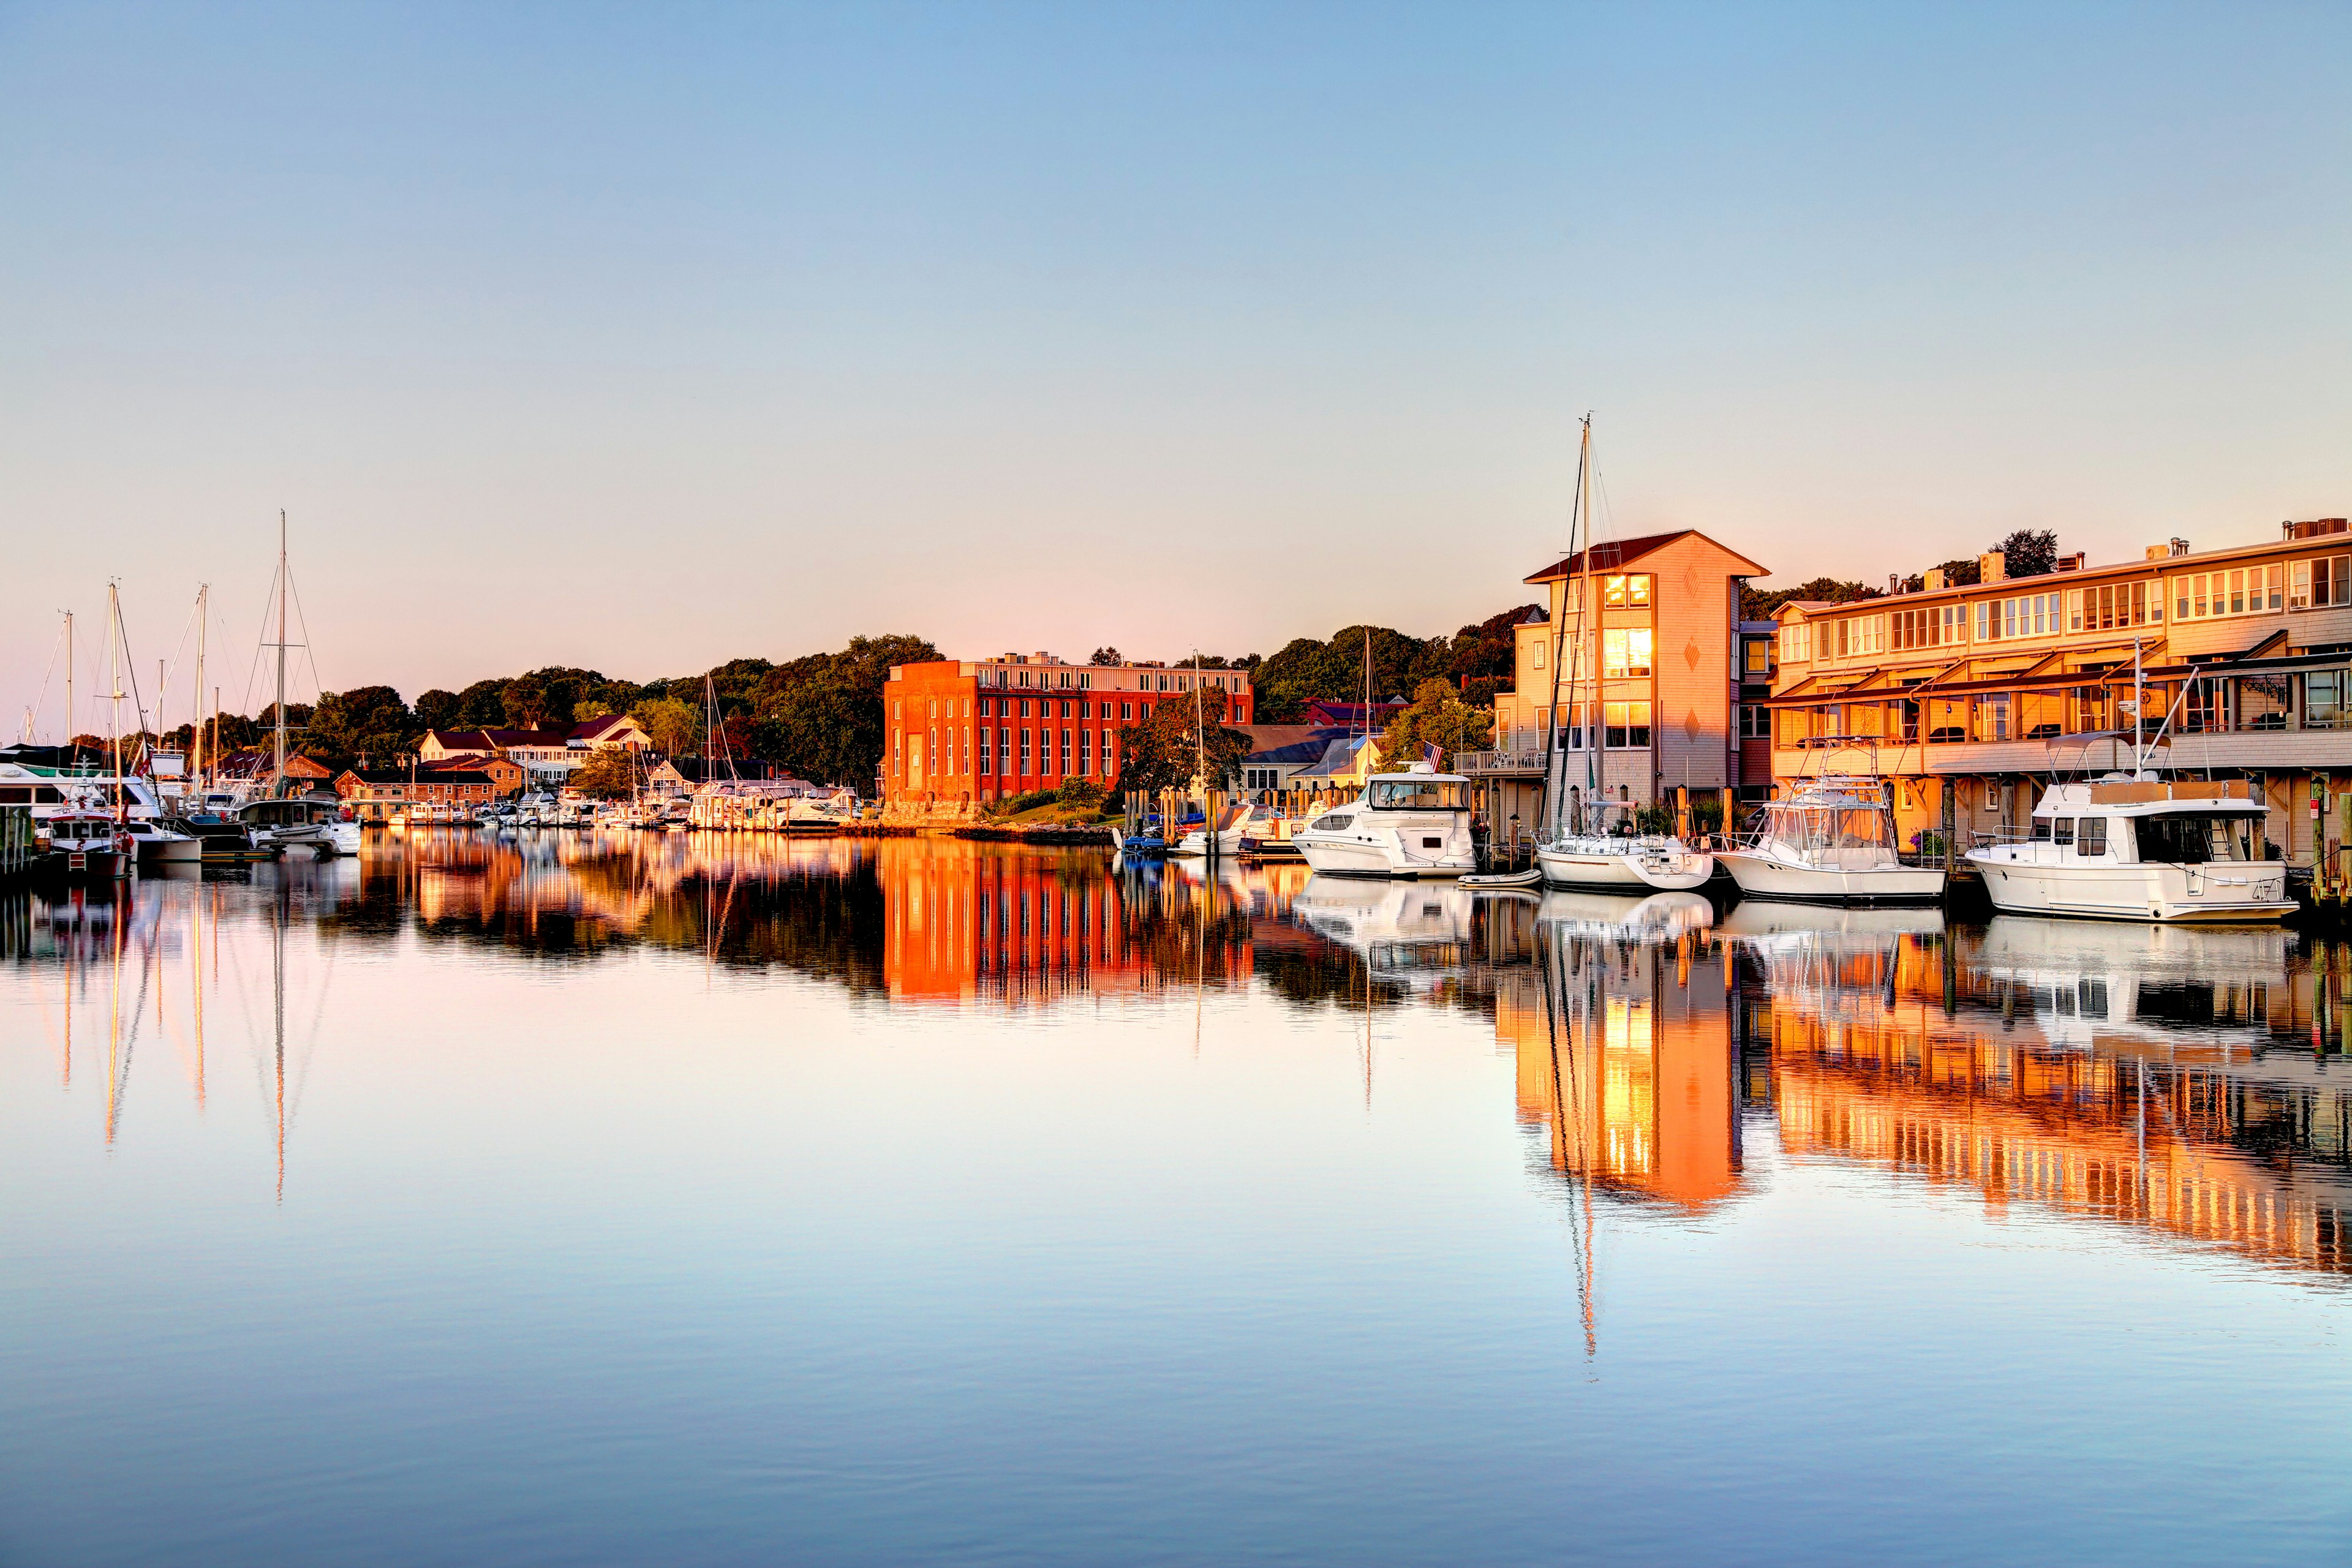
[(1369, 917), (2138, 850), (1413, 823), (1832, 842), (2084, 983), (1659, 917), (1620, 859), (1144, 845), (1754, 920)]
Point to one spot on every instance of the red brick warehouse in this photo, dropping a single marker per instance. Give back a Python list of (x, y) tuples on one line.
[(967, 730)]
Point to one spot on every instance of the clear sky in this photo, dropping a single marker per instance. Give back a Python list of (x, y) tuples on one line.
[(643, 337)]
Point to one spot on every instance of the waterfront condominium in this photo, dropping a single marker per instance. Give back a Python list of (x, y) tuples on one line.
[(961, 731), (1977, 695), (1651, 681)]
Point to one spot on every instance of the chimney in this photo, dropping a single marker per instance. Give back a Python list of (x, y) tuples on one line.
[(2071, 563), (1934, 580), (2179, 546), (1992, 567), (1894, 582), (2316, 529)]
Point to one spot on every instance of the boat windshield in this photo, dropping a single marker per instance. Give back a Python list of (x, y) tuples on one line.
[(1848, 835), (1416, 794), (2191, 839)]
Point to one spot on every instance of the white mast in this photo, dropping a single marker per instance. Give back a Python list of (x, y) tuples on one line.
[(70, 680), (114, 686), (1588, 616), (279, 785), (196, 705)]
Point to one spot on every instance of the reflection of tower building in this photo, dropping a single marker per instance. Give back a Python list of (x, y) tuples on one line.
[(2045, 1076), (1624, 1054)]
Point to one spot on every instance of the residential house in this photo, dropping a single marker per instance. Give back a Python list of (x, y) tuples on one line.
[(375, 795)]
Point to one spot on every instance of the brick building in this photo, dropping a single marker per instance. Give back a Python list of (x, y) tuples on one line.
[(375, 793), (958, 732)]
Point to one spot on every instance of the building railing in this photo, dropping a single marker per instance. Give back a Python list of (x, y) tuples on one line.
[(1525, 760)]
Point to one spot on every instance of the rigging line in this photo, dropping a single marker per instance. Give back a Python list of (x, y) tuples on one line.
[(309, 656), (186, 626), (1553, 1000), (43, 700)]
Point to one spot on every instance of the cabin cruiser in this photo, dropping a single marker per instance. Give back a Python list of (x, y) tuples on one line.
[(2138, 850), (155, 844), (81, 844), (1232, 826), (222, 838), (1412, 823), (1145, 844), (1618, 858), (299, 822), (1831, 842)]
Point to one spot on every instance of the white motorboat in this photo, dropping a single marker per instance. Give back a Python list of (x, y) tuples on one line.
[(2138, 850), (80, 846), (1233, 824), (1831, 842), (1620, 859), (1412, 823), (155, 844), (301, 823)]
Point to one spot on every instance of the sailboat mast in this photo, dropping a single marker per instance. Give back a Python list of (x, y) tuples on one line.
[(114, 685), (69, 682), (2139, 720), (1590, 615), (1200, 731), (280, 786), (196, 707)]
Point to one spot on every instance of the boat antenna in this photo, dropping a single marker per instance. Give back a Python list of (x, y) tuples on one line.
[(278, 786)]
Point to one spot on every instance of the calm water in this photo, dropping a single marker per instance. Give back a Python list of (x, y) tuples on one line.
[(692, 1200)]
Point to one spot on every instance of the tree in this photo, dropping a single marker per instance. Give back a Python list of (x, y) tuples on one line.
[(822, 716), (610, 774), (675, 729), (438, 710), (2029, 552), (1305, 671), (1437, 717), (1758, 605), (1105, 656), (1159, 753), (589, 708), (369, 721), (482, 706), (548, 696)]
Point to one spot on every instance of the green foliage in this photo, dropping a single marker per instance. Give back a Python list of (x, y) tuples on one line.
[(1029, 801), (1437, 717), (821, 716), (438, 710), (1758, 605), (1305, 671), (482, 706), (1105, 656), (675, 729), (1487, 651), (2029, 552), (589, 708), (1706, 814), (1159, 752), (1080, 792), (1659, 818), (369, 721), (609, 775)]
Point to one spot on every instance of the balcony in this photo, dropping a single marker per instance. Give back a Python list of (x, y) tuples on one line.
[(1523, 762)]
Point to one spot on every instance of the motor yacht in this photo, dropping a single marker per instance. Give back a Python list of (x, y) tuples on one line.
[(1412, 823), (80, 846), (1620, 859), (156, 844), (299, 822), (1232, 826), (2138, 850), (1831, 842)]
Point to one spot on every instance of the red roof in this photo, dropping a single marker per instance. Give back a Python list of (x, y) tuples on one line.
[(496, 740), (1616, 554)]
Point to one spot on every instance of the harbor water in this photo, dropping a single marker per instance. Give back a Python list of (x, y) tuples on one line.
[(695, 1198)]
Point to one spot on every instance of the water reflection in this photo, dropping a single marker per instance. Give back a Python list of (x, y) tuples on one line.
[(2187, 1084)]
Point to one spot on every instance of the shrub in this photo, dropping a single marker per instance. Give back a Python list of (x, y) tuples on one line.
[(1081, 792)]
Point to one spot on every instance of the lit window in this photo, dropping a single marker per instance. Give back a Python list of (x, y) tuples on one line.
[(1625, 652)]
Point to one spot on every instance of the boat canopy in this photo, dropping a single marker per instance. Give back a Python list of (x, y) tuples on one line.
[(1417, 792)]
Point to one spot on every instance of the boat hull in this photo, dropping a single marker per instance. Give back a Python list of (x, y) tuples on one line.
[(1766, 876), (2164, 895), (170, 851), (1344, 858), (1606, 873)]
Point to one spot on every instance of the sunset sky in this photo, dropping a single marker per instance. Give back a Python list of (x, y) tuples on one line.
[(643, 337)]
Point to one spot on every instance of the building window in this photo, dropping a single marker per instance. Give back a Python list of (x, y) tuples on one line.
[(1086, 751), (986, 753), (1797, 643), (1005, 751), (1755, 722), (983, 708), (2313, 584), (1127, 709), (1065, 750), (1024, 750), (2327, 694), (1625, 591), (1625, 652), (1628, 725), (1756, 656), (1536, 654)]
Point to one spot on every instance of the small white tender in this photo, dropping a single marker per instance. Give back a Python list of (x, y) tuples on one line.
[(1831, 842), (1412, 823), (2140, 850)]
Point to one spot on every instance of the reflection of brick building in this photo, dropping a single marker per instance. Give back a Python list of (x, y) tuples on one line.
[(965, 918), (959, 731)]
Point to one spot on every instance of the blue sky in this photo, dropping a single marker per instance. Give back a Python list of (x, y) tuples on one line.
[(643, 337)]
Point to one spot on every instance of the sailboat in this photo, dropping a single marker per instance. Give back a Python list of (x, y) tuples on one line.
[(1594, 842)]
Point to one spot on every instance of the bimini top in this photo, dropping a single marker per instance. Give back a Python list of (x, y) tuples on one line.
[(2115, 795)]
